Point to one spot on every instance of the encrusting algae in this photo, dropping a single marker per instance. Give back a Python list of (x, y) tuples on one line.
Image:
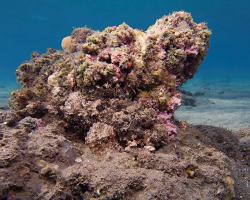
[(121, 80), (92, 121)]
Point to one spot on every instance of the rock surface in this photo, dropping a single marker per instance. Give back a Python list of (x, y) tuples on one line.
[(40, 161), (123, 79), (95, 121)]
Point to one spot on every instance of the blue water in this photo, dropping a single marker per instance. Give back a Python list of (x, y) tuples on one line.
[(35, 25)]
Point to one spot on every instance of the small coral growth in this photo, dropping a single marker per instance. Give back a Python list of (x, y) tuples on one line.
[(116, 87)]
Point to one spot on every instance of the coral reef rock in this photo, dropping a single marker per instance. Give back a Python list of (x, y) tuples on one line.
[(116, 88), (95, 120)]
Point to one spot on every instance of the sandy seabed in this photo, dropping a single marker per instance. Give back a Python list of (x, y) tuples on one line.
[(221, 103)]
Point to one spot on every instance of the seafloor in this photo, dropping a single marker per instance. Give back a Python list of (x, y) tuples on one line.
[(218, 102), (203, 161)]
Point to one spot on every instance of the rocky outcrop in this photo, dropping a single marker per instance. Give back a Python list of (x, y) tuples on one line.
[(95, 121), (123, 79)]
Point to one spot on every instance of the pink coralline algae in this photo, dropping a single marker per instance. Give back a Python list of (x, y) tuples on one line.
[(116, 87)]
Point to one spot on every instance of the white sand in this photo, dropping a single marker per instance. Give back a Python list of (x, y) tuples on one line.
[(231, 114), (225, 104)]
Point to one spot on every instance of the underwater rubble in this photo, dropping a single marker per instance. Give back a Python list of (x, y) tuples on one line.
[(96, 121)]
